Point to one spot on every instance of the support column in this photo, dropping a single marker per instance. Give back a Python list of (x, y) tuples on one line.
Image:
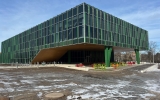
[(69, 57), (107, 52), (137, 56), (112, 56)]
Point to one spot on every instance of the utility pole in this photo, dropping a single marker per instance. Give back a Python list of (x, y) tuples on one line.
[(153, 55)]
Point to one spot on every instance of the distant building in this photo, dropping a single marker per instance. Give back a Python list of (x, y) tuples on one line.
[(82, 34)]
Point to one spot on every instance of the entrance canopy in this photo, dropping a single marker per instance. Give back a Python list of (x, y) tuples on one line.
[(54, 54)]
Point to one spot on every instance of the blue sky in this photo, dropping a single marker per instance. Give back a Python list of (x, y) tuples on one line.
[(19, 15)]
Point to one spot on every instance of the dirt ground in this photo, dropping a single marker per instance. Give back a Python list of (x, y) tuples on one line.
[(127, 84)]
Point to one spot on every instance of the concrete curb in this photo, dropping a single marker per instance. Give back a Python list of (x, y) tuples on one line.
[(68, 66)]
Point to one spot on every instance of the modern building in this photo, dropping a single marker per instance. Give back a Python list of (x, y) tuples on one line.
[(82, 34)]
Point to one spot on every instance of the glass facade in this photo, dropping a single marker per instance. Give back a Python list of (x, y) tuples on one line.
[(81, 24), (105, 29), (85, 56)]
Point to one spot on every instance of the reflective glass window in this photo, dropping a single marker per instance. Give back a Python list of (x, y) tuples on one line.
[(86, 19), (99, 34), (95, 32), (52, 28), (90, 10), (64, 15), (70, 34), (74, 21), (90, 20), (80, 19), (69, 23), (86, 31), (75, 32), (70, 13), (86, 8), (80, 31), (91, 32), (75, 11), (64, 25), (80, 9), (60, 36)]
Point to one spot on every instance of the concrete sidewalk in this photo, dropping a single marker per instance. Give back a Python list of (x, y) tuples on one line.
[(69, 66), (153, 68)]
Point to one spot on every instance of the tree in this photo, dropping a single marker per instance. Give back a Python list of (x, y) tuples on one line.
[(117, 56), (152, 49)]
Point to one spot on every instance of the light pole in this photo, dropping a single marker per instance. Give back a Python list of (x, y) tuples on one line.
[(152, 51), (153, 55)]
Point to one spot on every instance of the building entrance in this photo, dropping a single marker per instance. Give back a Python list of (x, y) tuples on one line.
[(83, 56)]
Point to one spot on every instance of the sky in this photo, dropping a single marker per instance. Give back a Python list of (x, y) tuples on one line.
[(17, 16)]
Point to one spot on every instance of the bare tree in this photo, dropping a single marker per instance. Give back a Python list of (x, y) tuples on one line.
[(117, 56), (152, 49)]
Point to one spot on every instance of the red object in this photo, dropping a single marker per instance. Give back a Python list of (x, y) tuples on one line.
[(129, 63), (79, 65), (115, 67)]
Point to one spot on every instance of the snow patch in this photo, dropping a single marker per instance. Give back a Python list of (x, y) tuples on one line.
[(152, 85), (65, 85), (43, 87), (40, 94), (6, 90), (80, 91), (27, 81)]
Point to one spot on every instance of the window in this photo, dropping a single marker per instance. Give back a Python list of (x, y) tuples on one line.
[(56, 20), (99, 34), (70, 34), (75, 21), (98, 13), (60, 26), (86, 19), (60, 36), (69, 23), (57, 27), (56, 37), (53, 21), (80, 19), (65, 34), (52, 38), (95, 12), (45, 31), (74, 11), (99, 25), (60, 17), (103, 35), (86, 31), (80, 31), (70, 13), (65, 15), (91, 32), (95, 32), (90, 20), (90, 10), (86, 8), (102, 15), (102, 23), (74, 32), (52, 28), (64, 25), (80, 9), (49, 31), (95, 21)]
